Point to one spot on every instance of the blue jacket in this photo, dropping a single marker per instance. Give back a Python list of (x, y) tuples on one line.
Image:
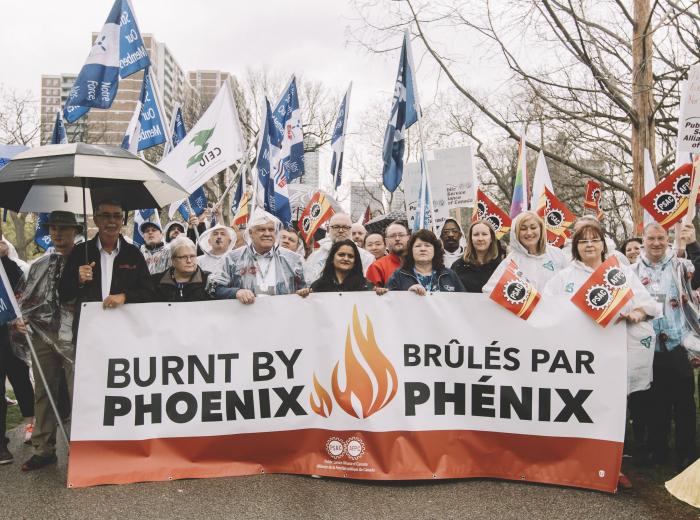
[(402, 279)]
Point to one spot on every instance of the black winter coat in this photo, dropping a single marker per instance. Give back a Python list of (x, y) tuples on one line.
[(474, 277), (402, 279), (165, 289)]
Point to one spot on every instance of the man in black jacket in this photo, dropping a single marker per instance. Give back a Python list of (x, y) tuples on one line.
[(115, 272)]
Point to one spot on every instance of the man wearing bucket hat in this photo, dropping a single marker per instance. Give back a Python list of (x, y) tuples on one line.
[(154, 250), (42, 317), (260, 267)]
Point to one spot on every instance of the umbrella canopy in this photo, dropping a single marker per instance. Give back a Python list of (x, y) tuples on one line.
[(52, 177), (380, 223)]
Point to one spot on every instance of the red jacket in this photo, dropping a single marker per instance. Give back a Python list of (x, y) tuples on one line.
[(381, 270)]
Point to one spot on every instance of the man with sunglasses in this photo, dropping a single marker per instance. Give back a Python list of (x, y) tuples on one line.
[(115, 272)]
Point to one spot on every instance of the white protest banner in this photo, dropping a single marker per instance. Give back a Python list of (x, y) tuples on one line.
[(348, 385), (689, 120)]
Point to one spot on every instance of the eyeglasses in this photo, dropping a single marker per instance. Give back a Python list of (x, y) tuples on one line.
[(110, 216), (190, 258), (397, 235), (591, 241), (338, 227)]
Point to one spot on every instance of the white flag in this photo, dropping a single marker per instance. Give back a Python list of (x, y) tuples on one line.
[(649, 183), (213, 144), (540, 181)]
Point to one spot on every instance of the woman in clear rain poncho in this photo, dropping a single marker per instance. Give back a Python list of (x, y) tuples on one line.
[(589, 251), (260, 267)]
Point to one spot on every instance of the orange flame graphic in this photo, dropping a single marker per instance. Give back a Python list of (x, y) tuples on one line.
[(324, 400), (358, 381)]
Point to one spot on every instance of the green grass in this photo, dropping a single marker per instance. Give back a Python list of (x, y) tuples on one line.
[(14, 416)]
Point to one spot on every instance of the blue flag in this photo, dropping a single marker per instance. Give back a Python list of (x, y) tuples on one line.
[(147, 126), (198, 201), (8, 151), (423, 218), (42, 238), (118, 51), (338, 139), (286, 134), (59, 135), (271, 174), (179, 131), (404, 112), (9, 310), (141, 216)]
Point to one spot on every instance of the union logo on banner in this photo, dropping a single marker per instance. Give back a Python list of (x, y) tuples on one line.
[(316, 212), (488, 211), (605, 292), (557, 218), (514, 292), (592, 198), (668, 202)]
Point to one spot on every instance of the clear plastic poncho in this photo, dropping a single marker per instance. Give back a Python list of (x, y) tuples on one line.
[(46, 318)]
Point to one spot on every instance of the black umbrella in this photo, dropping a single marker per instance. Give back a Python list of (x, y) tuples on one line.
[(76, 177), (380, 223)]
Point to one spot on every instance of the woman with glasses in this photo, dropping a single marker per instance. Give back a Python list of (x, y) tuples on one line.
[(184, 281), (589, 251), (423, 268)]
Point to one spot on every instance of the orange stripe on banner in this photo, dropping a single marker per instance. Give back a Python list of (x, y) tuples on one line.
[(585, 463)]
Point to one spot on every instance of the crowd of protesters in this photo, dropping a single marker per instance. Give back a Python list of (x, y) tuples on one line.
[(185, 262)]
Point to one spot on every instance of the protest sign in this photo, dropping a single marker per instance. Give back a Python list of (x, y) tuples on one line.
[(605, 292), (352, 385)]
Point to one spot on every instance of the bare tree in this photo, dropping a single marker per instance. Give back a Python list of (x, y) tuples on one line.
[(19, 125), (602, 74)]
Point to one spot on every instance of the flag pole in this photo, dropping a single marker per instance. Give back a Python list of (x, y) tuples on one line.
[(35, 358), (345, 122), (163, 115), (424, 163)]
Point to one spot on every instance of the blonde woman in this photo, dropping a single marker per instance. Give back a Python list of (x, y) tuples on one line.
[(537, 260)]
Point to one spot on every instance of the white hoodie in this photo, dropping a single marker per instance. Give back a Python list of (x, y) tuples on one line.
[(640, 336), (538, 269), (450, 258)]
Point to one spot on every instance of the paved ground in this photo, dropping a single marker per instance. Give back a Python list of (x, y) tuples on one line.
[(43, 495)]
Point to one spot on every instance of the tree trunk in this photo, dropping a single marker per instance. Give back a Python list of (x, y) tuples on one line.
[(18, 221), (643, 130)]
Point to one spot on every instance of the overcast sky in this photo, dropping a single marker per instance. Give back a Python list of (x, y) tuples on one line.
[(303, 36)]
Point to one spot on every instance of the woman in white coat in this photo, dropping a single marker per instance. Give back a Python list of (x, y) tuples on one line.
[(537, 260), (589, 251)]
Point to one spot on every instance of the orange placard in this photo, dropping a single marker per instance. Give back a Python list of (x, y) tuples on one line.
[(485, 209), (605, 292), (593, 197), (316, 212), (668, 202), (557, 218), (514, 292)]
